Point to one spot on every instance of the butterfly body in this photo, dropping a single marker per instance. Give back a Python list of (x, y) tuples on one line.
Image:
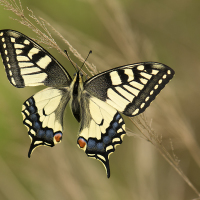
[(95, 103), (76, 90)]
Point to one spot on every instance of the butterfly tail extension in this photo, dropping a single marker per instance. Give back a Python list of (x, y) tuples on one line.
[(102, 157)]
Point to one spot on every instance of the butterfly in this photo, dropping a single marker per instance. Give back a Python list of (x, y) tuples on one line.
[(95, 103)]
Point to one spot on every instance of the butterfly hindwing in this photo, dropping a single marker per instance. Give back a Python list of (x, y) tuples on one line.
[(102, 129), (43, 116), (131, 88), (28, 64)]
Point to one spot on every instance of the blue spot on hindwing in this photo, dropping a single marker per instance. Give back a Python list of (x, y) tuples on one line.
[(31, 101), (32, 109), (100, 147), (41, 133), (115, 125), (111, 132), (49, 133), (36, 125), (117, 117), (46, 135), (91, 144), (106, 140), (34, 117)]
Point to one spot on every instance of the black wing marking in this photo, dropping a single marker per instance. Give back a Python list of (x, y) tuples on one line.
[(43, 116), (28, 64), (131, 88), (102, 129)]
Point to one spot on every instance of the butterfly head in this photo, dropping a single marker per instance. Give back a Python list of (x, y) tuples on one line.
[(77, 83)]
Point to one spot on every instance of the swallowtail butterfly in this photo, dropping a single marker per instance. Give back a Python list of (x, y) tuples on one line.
[(95, 103)]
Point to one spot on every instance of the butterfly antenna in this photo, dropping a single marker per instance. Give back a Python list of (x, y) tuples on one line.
[(86, 59), (66, 52)]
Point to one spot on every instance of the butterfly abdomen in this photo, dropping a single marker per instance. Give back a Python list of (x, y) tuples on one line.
[(75, 106)]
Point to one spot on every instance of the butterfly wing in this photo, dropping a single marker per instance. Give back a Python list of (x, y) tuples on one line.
[(28, 64), (102, 129), (131, 88), (128, 89), (43, 116)]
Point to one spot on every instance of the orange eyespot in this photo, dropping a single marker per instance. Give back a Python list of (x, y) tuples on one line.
[(58, 137), (81, 142)]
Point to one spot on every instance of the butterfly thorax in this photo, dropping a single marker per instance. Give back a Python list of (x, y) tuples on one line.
[(76, 89)]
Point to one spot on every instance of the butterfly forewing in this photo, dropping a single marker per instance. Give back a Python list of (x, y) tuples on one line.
[(43, 116), (131, 88), (28, 64)]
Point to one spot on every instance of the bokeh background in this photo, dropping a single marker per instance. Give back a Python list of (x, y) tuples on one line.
[(119, 32)]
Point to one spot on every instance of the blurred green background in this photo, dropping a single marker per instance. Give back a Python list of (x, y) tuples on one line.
[(119, 32)]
